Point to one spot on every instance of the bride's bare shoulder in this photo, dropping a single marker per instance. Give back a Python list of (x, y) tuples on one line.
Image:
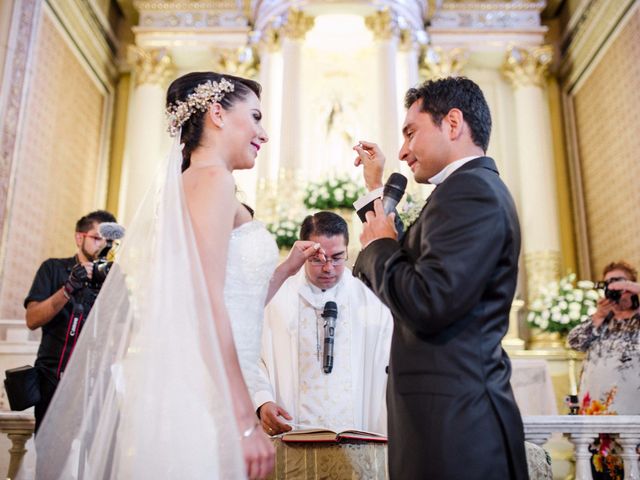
[(212, 180)]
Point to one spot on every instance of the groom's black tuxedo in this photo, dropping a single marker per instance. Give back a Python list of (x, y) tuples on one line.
[(449, 283)]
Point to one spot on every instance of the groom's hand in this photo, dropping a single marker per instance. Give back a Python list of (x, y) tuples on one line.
[(269, 417), (372, 160), (378, 225)]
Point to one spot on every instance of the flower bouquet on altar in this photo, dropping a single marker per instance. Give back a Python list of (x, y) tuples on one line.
[(338, 192), (562, 305), (285, 231)]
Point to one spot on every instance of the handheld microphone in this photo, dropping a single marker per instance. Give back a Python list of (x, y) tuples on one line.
[(111, 230), (393, 191), (330, 314)]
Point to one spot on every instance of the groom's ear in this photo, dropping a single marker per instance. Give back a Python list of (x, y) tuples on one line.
[(454, 123), (216, 113)]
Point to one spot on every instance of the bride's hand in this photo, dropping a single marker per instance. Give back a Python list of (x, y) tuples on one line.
[(259, 454), (301, 251)]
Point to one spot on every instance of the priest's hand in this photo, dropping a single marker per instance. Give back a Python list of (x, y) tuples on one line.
[(270, 415)]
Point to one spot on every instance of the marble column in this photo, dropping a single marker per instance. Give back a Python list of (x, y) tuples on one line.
[(385, 31), (526, 70), (147, 138), (293, 31)]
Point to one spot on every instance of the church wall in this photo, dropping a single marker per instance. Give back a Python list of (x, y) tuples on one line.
[(59, 144), (603, 109)]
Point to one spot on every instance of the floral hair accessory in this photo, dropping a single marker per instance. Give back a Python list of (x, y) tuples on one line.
[(202, 97)]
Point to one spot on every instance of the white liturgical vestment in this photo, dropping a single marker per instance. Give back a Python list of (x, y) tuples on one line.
[(353, 395)]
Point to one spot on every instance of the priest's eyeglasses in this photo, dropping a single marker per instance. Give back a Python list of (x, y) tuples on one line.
[(336, 261)]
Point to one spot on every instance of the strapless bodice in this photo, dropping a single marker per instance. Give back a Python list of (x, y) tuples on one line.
[(252, 257)]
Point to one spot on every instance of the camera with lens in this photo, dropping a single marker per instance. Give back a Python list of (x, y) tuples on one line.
[(101, 267), (573, 403), (613, 295)]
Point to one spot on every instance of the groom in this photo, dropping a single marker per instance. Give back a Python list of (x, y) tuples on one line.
[(449, 283)]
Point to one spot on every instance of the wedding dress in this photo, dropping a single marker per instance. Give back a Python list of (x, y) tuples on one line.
[(145, 394)]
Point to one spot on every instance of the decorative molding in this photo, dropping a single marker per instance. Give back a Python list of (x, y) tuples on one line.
[(515, 15), (184, 14), (243, 61), (436, 62), (164, 5), (383, 24), (191, 20), (270, 39), (525, 67), (296, 24), (153, 66), (542, 267), (96, 44), (12, 92), (589, 31)]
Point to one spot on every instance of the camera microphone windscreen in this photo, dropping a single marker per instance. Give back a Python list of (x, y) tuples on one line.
[(111, 231), (393, 191)]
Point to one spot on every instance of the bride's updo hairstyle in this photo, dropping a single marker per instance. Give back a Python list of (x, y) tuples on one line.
[(231, 90)]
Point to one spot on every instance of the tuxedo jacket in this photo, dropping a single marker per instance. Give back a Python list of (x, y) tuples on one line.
[(449, 283)]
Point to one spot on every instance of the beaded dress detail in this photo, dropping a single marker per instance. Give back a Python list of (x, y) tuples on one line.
[(252, 257)]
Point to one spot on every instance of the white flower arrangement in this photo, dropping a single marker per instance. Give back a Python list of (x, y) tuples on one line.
[(562, 305), (338, 192), (285, 231)]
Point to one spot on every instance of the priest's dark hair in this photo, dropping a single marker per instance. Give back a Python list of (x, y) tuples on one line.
[(327, 224)]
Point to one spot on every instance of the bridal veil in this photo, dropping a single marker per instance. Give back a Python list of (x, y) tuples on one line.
[(145, 394)]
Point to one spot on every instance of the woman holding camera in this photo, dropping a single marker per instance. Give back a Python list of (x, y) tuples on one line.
[(610, 380)]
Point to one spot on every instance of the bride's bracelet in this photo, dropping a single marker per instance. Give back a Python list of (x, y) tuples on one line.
[(249, 431)]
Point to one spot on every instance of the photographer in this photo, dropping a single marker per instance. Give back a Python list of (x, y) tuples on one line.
[(60, 300), (610, 380)]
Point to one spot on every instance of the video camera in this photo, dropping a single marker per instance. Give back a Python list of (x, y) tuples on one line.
[(110, 231)]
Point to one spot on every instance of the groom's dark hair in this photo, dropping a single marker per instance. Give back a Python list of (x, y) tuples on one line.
[(327, 224), (440, 96)]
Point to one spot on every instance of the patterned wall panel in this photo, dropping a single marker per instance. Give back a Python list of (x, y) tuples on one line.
[(607, 109), (57, 163)]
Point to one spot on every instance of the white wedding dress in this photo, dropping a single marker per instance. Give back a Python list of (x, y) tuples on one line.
[(145, 394), (253, 255)]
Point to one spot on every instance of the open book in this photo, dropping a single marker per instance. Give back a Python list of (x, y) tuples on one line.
[(326, 435)]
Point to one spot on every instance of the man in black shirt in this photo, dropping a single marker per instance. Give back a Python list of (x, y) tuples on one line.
[(59, 303)]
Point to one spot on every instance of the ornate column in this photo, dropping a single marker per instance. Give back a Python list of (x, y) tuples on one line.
[(293, 31), (438, 63), (385, 31), (526, 70), (146, 136), (243, 62), (271, 79)]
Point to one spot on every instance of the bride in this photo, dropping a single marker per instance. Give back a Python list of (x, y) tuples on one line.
[(157, 384)]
